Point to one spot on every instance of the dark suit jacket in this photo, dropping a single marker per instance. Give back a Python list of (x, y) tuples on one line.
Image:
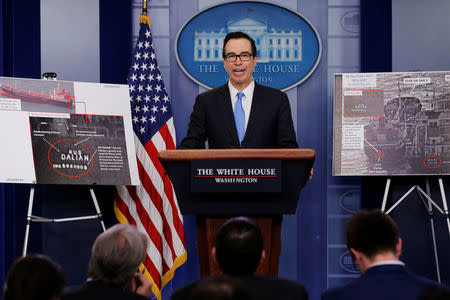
[(95, 289), (269, 126), (385, 282), (260, 287)]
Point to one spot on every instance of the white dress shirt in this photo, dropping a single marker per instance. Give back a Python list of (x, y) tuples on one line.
[(387, 262), (246, 99)]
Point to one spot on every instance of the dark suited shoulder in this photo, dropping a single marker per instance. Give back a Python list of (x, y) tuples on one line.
[(98, 290), (270, 91), (268, 287), (276, 97), (212, 93), (270, 122), (205, 106), (387, 282)]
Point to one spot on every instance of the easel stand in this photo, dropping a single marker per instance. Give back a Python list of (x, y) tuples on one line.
[(31, 218), (429, 207)]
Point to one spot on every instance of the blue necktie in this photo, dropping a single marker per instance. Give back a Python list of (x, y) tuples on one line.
[(239, 116)]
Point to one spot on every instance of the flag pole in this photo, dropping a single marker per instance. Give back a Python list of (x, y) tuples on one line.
[(144, 6), (144, 16)]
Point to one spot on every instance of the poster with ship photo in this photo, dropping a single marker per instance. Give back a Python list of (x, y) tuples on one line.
[(391, 124), (79, 149), (37, 95)]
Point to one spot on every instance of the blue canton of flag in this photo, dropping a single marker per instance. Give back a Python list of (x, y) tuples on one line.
[(149, 100)]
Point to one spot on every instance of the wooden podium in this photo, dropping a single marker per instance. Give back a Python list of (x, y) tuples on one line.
[(213, 203)]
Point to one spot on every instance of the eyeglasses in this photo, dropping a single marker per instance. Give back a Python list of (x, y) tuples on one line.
[(244, 56)]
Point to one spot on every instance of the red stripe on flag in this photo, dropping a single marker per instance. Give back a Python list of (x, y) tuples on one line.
[(153, 153), (167, 137), (153, 271), (157, 201), (177, 223), (123, 208), (150, 148), (145, 219)]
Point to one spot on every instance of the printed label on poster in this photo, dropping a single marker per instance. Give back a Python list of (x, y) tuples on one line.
[(81, 149), (10, 104), (353, 136), (359, 80)]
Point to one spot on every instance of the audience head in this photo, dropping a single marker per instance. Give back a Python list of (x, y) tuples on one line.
[(117, 254), (220, 288), (374, 235), (34, 277), (239, 246)]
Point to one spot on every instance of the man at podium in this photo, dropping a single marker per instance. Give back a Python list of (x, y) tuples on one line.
[(241, 113)]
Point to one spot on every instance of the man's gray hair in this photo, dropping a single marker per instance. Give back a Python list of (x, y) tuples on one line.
[(117, 254)]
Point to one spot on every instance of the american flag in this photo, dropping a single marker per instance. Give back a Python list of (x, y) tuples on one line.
[(152, 206)]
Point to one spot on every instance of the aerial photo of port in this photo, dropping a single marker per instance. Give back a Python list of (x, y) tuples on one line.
[(392, 124)]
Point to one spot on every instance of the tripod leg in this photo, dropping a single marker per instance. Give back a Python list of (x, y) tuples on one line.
[(422, 198), (431, 215), (29, 213), (444, 203), (421, 192), (386, 192), (97, 208), (401, 199)]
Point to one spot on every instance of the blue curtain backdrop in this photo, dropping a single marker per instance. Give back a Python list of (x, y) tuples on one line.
[(19, 56)]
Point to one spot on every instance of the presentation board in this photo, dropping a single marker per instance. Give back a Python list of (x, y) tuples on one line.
[(60, 132), (391, 124)]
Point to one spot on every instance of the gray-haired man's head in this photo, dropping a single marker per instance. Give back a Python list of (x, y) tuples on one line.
[(117, 254)]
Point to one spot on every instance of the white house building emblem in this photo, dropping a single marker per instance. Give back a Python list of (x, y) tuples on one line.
[(288, 46)]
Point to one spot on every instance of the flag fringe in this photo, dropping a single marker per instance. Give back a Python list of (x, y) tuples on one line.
[(120, 217), (145, 19), (179, 260)]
